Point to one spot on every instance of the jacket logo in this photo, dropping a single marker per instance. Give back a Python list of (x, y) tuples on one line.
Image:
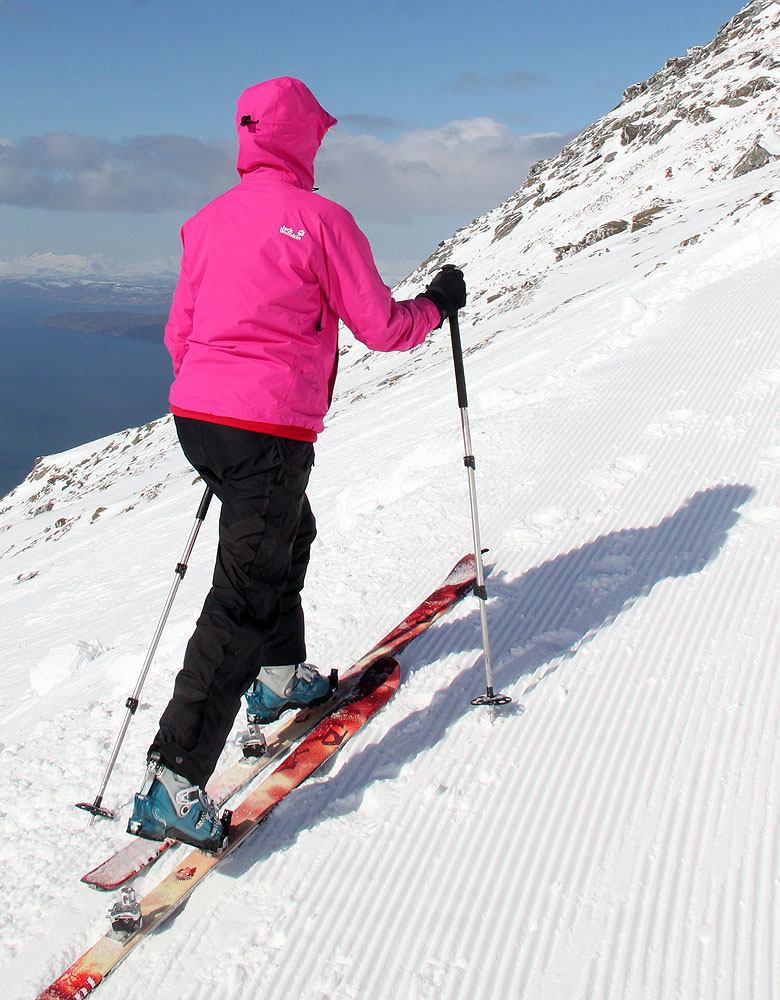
[(286, 231)]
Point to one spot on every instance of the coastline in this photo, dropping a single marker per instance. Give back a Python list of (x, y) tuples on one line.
[(62, 387)]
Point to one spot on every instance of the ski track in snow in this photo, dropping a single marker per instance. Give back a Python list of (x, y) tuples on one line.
[(613, 833)]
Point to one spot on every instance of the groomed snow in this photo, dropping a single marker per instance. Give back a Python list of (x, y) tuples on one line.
[(614, 833)]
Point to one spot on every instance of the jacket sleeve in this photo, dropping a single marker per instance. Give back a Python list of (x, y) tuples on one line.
[(179, 325), (356, 293)]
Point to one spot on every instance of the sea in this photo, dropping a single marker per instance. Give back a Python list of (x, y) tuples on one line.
[(60, 388)]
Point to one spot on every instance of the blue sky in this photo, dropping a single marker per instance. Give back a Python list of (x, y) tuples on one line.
[(117, 115)]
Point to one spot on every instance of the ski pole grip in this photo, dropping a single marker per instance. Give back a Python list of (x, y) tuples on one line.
[(204, 505), (457, 357)]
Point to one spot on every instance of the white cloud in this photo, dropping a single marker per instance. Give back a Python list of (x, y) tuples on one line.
[(64, 170), (464, 167)]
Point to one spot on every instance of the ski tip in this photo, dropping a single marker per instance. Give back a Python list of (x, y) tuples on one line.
[(100, 886), (462, 571)]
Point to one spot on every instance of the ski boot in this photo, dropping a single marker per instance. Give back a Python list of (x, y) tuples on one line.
[(278, 689), (169, 806)]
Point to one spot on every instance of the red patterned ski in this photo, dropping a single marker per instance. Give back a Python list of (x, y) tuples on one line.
[(368, 691), (367, 686), (137, 854)]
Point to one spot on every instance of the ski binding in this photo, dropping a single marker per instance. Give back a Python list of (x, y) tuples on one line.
[(254, 744), (125, 914)]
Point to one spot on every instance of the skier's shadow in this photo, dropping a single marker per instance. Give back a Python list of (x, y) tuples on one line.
[(536, 622)]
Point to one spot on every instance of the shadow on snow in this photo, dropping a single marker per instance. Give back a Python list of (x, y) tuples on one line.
[(536, 622)]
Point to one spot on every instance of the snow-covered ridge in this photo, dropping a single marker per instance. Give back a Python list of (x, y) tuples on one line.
[(704, 118), (669, 156), (51, 265), (59, 490)]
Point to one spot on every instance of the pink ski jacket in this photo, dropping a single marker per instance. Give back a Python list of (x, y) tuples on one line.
[(267, 271)]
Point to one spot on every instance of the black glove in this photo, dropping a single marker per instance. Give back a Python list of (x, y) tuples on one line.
[(447, 291)]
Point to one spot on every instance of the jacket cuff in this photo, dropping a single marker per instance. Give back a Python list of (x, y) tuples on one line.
[(435, 306)]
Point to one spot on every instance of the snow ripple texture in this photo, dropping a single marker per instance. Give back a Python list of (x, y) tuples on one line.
[(614, 832)]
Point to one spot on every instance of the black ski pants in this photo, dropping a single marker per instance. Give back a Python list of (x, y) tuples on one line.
[(252, 616)]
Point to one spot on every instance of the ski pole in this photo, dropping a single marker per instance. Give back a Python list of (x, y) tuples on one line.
[(489, 698), (131, 704)]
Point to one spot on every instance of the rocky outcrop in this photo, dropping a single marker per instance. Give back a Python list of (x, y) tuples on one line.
[(755, 158), (594, 236), (703, 118)]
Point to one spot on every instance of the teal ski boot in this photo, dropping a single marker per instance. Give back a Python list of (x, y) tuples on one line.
[(278, 689), (169, 806)]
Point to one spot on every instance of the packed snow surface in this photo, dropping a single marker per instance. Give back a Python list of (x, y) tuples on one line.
[(614, 831)]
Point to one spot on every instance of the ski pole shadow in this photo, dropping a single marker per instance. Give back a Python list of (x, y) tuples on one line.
[(536, 622)]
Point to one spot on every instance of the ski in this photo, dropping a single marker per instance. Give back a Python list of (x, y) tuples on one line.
[(365, 692), (137, 854)]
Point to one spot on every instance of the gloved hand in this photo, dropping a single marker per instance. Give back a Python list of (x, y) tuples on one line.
[(447, 291)]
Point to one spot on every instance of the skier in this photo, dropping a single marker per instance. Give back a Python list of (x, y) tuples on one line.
[(268, 269)]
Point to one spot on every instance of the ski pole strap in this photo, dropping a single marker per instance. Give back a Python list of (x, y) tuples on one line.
[(457, 357)]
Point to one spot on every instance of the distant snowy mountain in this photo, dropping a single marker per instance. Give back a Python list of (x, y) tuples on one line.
[(85, 279), (614, 833), (51, 265)]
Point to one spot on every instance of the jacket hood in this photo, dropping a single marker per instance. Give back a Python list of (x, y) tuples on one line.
[(284, 128)]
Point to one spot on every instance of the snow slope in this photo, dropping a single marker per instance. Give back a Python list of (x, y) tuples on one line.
[(614, 832)]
